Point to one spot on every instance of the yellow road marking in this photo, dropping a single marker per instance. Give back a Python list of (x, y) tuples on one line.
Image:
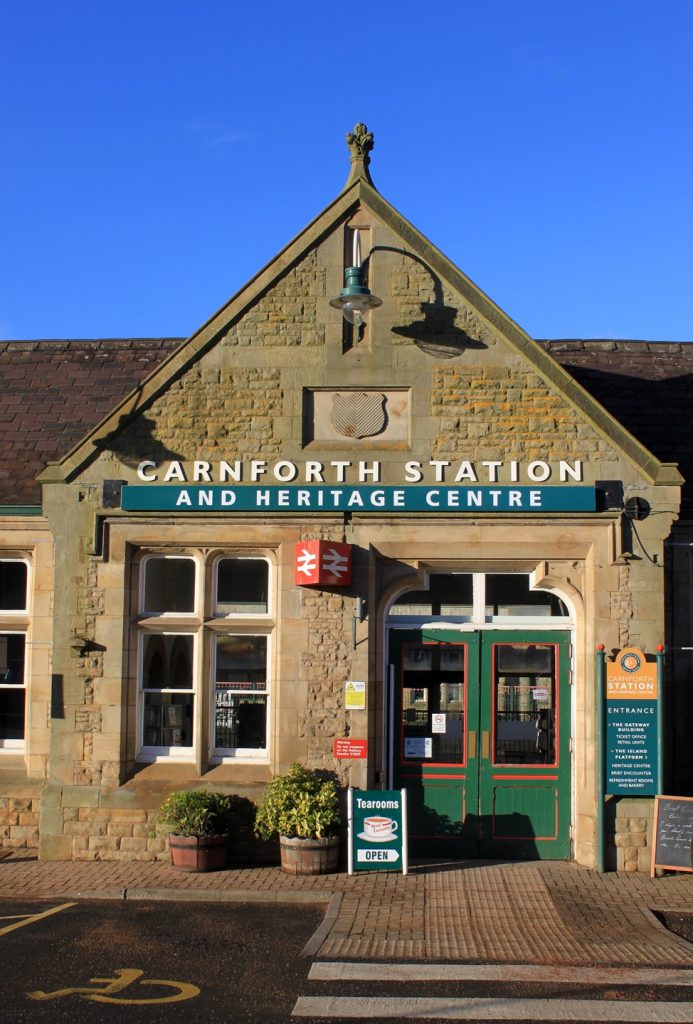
[(124, 976), (25, 919)]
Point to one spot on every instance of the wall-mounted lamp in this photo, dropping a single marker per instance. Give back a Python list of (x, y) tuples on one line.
[(636, 509), (358, 616), (355, 299)]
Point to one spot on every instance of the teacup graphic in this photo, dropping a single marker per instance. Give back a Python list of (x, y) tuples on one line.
[(378, 827)]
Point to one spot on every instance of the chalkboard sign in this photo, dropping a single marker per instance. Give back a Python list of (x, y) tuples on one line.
[(672, 845)]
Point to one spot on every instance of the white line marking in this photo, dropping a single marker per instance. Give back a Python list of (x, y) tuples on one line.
[(346, 971), (595, 1010)]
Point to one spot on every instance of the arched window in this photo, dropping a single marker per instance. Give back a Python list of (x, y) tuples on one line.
[(477, 598)]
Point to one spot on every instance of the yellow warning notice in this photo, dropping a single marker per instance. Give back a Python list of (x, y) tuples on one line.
[(355, 696)]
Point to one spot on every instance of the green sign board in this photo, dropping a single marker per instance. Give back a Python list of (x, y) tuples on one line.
[(632, 711), (345, 498), (377, 830), (631, 747)]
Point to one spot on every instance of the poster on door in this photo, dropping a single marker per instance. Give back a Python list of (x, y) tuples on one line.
[(418, 747)]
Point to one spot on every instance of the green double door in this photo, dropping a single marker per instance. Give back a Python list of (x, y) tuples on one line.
[(481, 741)]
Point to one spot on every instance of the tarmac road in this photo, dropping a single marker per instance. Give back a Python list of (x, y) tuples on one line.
[(76, 960), (232, 963)]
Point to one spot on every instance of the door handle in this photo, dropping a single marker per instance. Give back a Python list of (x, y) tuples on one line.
[(485, 743), (472, 744)]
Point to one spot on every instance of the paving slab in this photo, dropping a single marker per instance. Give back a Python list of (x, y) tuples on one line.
[(463, 911)]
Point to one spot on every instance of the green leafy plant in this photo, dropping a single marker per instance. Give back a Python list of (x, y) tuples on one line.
[(303, 803), (196, 812)]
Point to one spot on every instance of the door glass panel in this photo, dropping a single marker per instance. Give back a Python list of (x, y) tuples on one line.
[(433, 696), (524, 690)]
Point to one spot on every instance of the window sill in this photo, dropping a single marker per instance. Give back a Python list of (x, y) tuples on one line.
[(154, 758), (221, 759)]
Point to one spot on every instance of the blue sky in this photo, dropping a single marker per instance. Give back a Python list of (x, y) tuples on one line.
[(157, 153)]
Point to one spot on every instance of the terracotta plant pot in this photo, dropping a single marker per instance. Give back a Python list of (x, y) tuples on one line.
[(309, 856), (198, 853)]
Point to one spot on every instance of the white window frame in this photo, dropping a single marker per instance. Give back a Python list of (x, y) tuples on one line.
[(480, 618), (232, 755), (204, 625), (5, 612), (17, 622), (244, 615), (153, 752), (156, 556)]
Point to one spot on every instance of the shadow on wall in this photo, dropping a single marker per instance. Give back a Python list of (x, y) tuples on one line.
[(432, 834), (437, 333), (145, 441)]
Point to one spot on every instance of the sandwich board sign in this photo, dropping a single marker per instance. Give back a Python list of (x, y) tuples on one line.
[(377, 830)]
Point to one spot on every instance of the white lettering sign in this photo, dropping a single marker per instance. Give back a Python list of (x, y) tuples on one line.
[(344, 471)]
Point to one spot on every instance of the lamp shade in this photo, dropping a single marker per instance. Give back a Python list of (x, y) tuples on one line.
[(355, 299)]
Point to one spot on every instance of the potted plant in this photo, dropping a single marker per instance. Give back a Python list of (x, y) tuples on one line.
[(197, 822), (302, 808)]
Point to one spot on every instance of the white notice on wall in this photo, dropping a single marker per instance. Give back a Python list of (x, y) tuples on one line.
[(438, 722)]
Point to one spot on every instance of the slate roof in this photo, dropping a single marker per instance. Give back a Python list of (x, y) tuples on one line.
[(647, 386), (53, 392)]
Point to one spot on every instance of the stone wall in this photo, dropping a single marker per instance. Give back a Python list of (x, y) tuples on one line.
[(629, 834), (324, 664), (206, 412), (19, 821), (431, 315), (287, 315), (503, 412), (101, 833)]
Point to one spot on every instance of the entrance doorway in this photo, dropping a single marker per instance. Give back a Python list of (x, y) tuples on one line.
[(480, 738)]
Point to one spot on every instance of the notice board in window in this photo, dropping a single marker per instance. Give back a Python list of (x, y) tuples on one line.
[(672, 833)]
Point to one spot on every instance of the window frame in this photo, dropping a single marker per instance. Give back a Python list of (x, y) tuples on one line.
[(154, 556), (205, 625), (4, 612), (162, 752), (482, 616), (17, 622), (214, 598), (230, 755)]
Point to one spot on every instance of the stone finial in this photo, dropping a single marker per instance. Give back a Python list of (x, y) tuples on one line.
[(360, 143)]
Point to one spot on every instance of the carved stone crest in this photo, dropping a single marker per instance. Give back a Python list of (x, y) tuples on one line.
[(358, 413)]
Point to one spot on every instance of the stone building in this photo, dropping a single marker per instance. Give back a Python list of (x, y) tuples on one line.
[(222, 554)]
